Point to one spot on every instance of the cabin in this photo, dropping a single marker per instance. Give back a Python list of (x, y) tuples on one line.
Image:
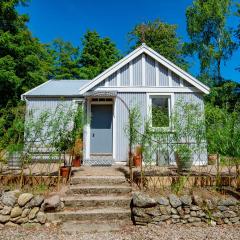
[(143, 78)]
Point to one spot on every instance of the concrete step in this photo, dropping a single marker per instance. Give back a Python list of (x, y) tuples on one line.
[(98, 180), (96, 190), (97, 201), (91, 215), (74, 227)]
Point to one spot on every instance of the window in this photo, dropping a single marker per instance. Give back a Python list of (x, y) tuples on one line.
[(160, 111)]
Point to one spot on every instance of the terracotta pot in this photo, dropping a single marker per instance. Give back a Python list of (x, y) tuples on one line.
[(138, 150), (212, 159), (76, 162), (64, 171), (137, 160)]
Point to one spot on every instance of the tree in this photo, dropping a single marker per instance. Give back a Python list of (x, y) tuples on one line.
[(210, 38), (238, 28), (162, 38), (66, 60), (97, 55), (24, 61)]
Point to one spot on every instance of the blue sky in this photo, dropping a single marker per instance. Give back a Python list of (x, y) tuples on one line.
[(69, 20)]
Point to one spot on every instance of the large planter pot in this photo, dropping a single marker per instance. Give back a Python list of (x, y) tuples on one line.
[(76, 162), (15, 161), (212, 159), (137, 160), (183, 165), (65, 171)]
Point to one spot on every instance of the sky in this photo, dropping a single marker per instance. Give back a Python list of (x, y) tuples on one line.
[(70, 19)]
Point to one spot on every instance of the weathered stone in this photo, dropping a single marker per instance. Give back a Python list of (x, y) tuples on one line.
[(6, 210), (195, 208), (174, 200), (35, 201), (213, 223), (142, 200), (193, 213), (201, 213), (186, 200), (228, 202), (41, 217), (219, 221), (152, 211), (234, 219), (25, 212), (14, 219), (217, 214), (142, 220), (164, 217), (9, 198), (22, 220), (222, 208), (33, 213), (209, 204), (24, 198), (194, 219), (16, 211), (226, 220), (186, 210), (175, 220), (165, 210), (163, 201), (180, 211), (183, 221), (31, 225), (173, 211), (139, 212), (186, 216), (1, 206), (197, 200), (11, 224), (174, 216), (4, 218), (229, 214)]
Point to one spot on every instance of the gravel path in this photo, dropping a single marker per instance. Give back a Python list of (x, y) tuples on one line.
[(162, 232)]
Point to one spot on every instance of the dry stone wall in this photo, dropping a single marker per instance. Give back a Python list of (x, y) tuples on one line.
[(18, 208), (186, 209)]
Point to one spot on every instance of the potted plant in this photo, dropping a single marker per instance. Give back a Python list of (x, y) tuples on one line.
[(183, 156), (137, 157), (76, 162), (15, 154)]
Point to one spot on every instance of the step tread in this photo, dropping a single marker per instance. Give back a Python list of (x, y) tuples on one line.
[(95, 198), (99, 177), (80, 186)]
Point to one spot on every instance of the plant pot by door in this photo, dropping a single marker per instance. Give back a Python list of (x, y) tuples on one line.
[(65, 171), (212, 159), (183, 164), (76, 162), (137, 160)]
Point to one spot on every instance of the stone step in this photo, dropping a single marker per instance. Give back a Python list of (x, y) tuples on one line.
[(91, 215), (97, 201), (74, 227), (95, 190), (98, 180)]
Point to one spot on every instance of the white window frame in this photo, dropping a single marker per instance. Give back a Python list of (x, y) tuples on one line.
[(170, 97)]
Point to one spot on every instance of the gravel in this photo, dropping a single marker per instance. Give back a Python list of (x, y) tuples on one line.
[(131, 232)]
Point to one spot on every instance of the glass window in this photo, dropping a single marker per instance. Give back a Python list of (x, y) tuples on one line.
[(160, 111)]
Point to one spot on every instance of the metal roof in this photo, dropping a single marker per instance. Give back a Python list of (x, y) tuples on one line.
[(58, 88)]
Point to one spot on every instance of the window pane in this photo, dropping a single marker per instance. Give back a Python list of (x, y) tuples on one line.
[(160, 116)]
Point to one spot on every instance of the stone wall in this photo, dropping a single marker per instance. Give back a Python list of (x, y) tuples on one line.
[(186, 209), (18, 208)]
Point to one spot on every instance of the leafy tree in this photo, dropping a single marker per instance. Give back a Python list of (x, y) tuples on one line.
[(210, 39), (24, 61), (162, 38), (97, 55), (238, 27), (66, 60)]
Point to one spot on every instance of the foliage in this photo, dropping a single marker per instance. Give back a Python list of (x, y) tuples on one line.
[(162, 38), (97, 55), (184, 152), (237, 32), (160, 117), (66, 60), (210, 38), (24, 61)]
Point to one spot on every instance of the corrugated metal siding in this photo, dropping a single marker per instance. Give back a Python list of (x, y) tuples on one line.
[(137, 71), (125, 75), (150, 73), (187, 84), (112, 80), (175, 80), (131, 99), (163, 76)]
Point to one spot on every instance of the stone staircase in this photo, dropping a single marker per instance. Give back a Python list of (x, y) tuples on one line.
[(96, 203)]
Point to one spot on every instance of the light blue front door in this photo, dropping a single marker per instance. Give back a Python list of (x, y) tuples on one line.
[(101, 129)]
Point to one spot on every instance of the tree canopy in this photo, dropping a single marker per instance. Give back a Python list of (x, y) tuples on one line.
[(162, 38)]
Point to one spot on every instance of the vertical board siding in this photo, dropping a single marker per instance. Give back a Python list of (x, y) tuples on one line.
[(131, 100), (124, 76), (150, 74), (112, 80), (175, 80), (163, 75), (137, 71)]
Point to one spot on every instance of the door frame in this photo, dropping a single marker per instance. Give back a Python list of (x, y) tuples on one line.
[(87, 131)]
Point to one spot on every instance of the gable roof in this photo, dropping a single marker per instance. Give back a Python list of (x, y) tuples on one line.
[(57, 88), (159, 58)]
